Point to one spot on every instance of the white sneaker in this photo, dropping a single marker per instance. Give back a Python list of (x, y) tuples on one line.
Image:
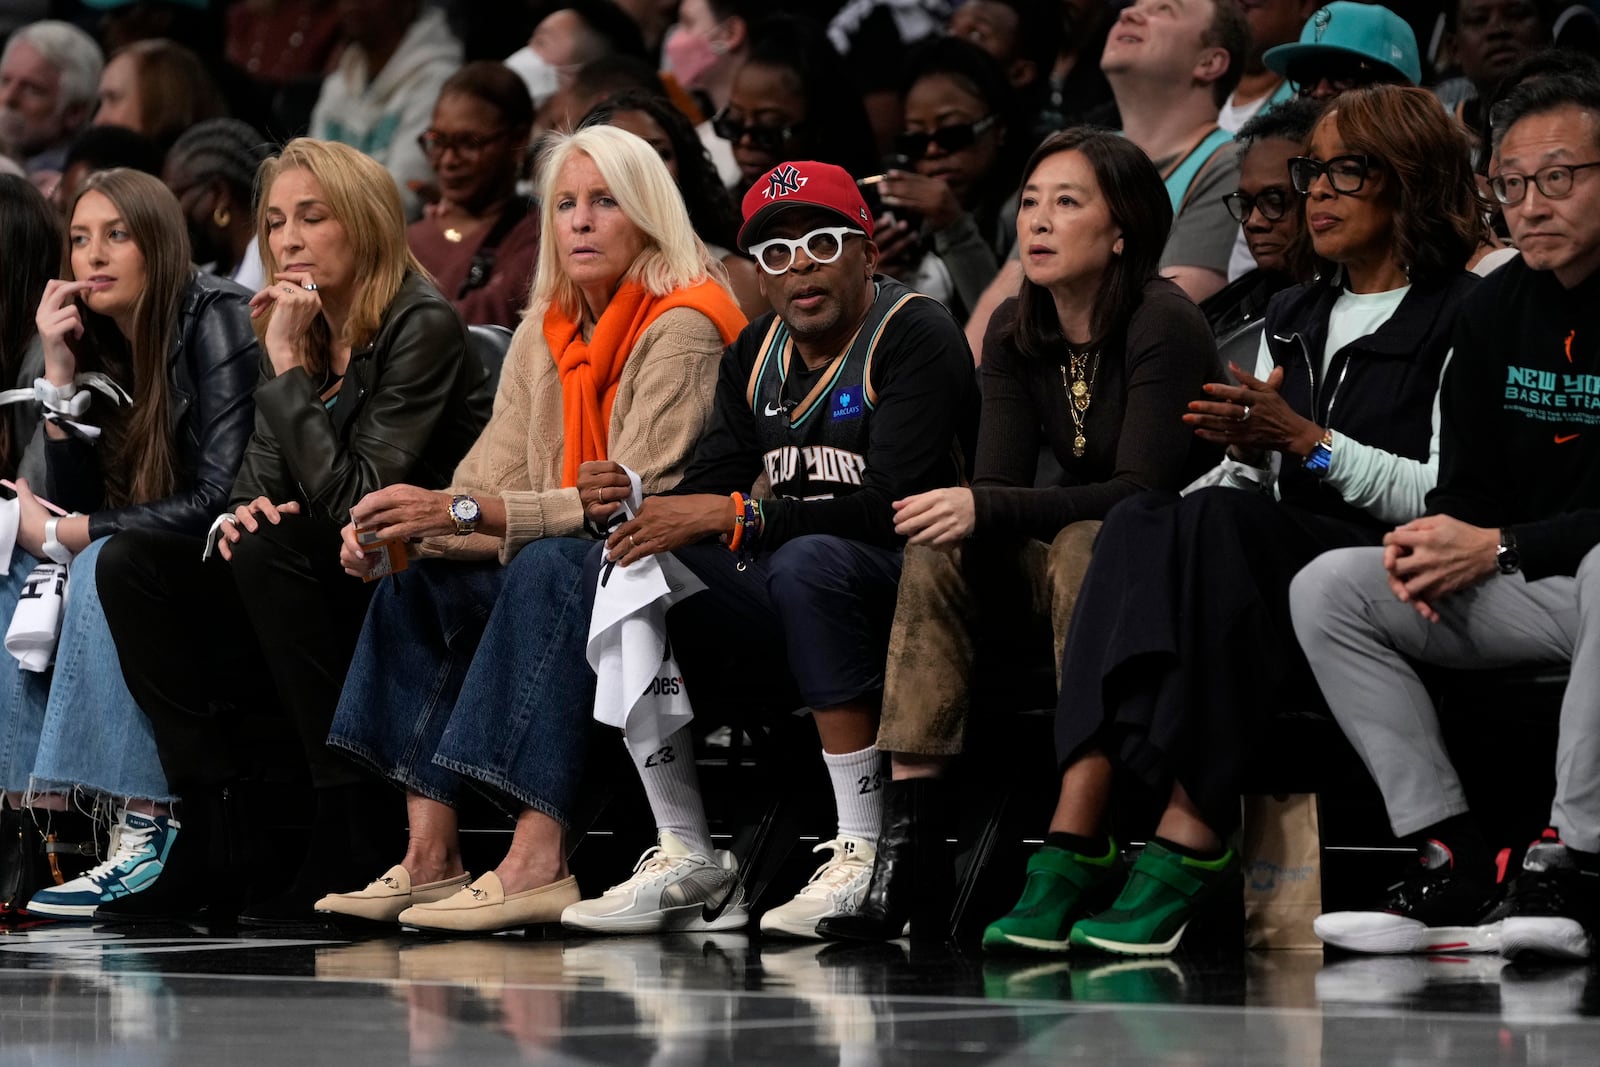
[(671, 889), (835, 889)]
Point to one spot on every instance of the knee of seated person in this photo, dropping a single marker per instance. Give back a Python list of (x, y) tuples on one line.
[(1589, 574), (1328, 580), (806, 563), (1075, 541)]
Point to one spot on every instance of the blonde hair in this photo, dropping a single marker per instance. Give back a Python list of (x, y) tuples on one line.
[(673, 257), (362, 196), (139, 441)]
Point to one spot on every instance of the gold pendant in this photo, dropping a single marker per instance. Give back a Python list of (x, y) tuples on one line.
[(453, 236), (1078, 444), (1080, 389)]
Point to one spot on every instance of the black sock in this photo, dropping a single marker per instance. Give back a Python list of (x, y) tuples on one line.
[(1587, 862), (1093, 847), (1192, 853), (1470, 852)]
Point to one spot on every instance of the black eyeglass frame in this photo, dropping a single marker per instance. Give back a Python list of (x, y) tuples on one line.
[(914, 144), (1299, 165), (762, 138), (433, 143), (1497, 182), (1240, 205)]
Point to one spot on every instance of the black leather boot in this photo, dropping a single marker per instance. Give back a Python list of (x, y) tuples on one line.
[(913, 875)]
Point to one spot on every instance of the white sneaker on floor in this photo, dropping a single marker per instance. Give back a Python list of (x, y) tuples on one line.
[(835, 889), (671, 889)]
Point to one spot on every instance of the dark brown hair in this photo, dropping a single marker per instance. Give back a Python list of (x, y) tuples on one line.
[(1423, 156), (1139, 204), (30, 233)]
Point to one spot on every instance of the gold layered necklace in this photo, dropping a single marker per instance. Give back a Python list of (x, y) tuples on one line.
[(1077, 377)]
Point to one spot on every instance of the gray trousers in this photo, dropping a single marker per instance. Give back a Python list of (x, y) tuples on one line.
[(1358, 638)]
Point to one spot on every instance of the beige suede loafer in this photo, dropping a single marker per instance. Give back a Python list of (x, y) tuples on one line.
[(386, 898), (483, 907)]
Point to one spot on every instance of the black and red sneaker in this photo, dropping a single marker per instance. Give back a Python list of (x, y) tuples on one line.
[(1434, 909), (1553, 906)]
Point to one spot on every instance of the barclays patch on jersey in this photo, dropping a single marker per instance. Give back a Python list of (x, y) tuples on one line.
[(846, 404)]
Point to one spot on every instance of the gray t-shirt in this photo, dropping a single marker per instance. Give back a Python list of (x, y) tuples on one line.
[(1203, 233)]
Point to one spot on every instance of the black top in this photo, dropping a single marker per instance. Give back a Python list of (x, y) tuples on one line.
[(211, 375), (915, 435), (1520, 417), (407, 411), (1136, 437)]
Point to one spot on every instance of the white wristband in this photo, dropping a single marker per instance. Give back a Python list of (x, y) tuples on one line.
[(61, 399), (53, 547)]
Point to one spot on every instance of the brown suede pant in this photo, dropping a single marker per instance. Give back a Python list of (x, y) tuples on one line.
[(947, 598)]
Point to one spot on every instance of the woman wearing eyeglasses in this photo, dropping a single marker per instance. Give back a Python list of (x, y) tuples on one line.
[(794, 99), (480, 240), (955, 175), (1182, 648)]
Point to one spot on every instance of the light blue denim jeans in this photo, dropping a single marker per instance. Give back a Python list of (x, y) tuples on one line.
[(76, 726)]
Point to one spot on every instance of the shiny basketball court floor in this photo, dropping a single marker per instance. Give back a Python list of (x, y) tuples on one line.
[(181, 995)]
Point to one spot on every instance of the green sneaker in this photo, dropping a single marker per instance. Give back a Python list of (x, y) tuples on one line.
[(1062, 887), (1164, 891)]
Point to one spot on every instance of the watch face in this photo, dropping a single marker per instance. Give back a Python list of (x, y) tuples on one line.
[(464, 509)]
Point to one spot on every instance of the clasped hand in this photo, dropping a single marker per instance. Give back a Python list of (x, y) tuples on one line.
[(1434, 556), (1252, 416)]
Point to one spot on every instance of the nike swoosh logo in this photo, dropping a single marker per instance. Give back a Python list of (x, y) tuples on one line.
[(1569, 437), (774, 411), (710, 914)]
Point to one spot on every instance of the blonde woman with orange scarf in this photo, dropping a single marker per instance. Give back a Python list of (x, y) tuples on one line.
[(470, 673)]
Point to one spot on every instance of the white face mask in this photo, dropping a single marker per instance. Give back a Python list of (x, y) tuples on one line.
[(541, 78)]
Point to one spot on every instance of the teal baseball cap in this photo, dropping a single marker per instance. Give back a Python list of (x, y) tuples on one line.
[(1344, 32)]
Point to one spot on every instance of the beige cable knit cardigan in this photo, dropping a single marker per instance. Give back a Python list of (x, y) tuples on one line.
[(662, 405)]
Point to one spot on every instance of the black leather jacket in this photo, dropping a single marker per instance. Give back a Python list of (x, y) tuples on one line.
[(407, 411), (211, 378)]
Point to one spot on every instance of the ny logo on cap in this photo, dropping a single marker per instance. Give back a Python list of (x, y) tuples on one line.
[(783, 181), (1321, 20)]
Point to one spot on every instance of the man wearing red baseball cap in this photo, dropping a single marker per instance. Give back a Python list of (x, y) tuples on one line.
[(854, 393)]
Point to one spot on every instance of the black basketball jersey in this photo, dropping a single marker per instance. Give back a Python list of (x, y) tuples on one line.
[(813, 425)]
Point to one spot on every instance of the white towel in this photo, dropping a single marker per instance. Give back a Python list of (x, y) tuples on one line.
[(10, 519), (36, 624), (639, 688)]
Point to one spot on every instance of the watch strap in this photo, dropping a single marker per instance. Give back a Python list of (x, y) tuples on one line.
[(58, 552)]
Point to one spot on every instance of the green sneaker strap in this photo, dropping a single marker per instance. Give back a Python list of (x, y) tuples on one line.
[(1171, 874), (1079, 871)]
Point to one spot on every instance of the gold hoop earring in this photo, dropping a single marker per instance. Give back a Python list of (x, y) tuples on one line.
[(222, 216)]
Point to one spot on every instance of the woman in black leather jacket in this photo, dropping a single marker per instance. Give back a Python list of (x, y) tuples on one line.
[(147, 376), (366, 380)]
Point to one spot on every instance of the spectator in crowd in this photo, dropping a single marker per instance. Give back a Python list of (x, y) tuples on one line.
[(1340, 419), (704, 51), (159, 89), (150, 368), (853, 393), (1024, 37), (1489, 38), (285, 47), (1267, 206), (630, 311), (365, 382), (652, 17), (572, 34), (1079, 94), (379, 98), (480, 239), (1346, 45), (1094, 360), (212, 171), (99, 148), (794, 99), (1272, 23), (1497, 573), (955, 175), (49, 78), (30, 232), (652, 118), (602, 79), (871, 35)]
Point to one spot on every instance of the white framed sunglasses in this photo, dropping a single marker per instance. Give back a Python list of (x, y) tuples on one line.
[(822, 245)]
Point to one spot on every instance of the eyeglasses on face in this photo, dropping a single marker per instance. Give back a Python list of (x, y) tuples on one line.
[(1273, 203), (1347, 174), (914, 145), (1554, 182), (1306, 80), (822, 245), (433, 143), (762, 138)]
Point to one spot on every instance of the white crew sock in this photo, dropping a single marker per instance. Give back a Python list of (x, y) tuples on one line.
[(858, 781), (673, 789)]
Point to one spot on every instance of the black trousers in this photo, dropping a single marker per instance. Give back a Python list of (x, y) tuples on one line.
[(274, 629)]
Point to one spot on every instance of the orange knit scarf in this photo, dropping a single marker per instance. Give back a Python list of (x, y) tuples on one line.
[(591, 370)]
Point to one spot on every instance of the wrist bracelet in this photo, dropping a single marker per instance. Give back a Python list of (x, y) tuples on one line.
[(736, 538), (58, 552)]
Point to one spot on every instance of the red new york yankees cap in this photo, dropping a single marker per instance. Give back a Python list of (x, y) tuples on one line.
[(802, 183)]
